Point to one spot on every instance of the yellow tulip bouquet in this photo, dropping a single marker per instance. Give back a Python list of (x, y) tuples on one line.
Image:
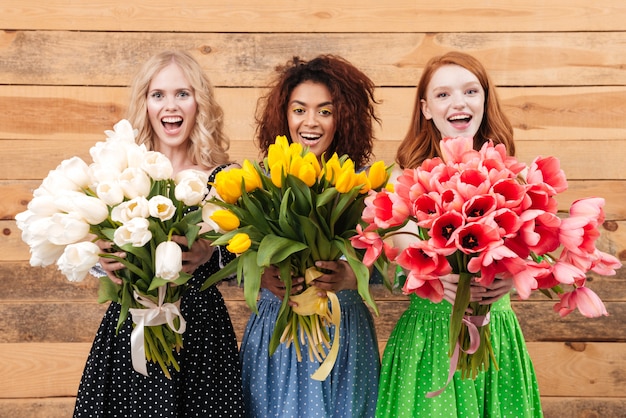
[(290, 213)]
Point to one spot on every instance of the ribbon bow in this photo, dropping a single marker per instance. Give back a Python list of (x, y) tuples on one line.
[(472, 323), (152, 315)]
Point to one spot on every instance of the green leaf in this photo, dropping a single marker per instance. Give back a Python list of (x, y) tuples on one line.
[(361, 271), (274, 249), (251, 272), (285, 309), (461, 302), (303, 201), (108, 291)]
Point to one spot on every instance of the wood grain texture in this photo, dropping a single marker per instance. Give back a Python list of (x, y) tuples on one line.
[(320, 16), (559, 66), (248, 59), (43, 370), (553, 407)]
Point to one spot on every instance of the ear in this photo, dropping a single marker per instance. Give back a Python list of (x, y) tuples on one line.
[(425, 110)]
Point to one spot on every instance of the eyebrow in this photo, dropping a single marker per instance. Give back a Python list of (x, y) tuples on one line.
[(305, 104)]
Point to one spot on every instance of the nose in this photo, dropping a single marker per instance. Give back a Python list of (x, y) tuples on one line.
[(458, 100), (170, 102), (311, 119)]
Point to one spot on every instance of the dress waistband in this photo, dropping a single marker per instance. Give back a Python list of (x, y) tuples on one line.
[(417, 303), (346, 297)]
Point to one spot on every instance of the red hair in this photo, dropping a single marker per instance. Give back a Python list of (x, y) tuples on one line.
[(422, 140)]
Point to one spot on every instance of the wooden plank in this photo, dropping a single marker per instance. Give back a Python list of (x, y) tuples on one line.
[(539, 114), (321, 16), (17, 193), (42, 370), (579, 369), (57, 322), (37, 407), (553, 407), (248, 59), (558, 407), (593, 370)]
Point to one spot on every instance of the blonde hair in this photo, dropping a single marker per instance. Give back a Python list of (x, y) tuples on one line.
[(208, 145)]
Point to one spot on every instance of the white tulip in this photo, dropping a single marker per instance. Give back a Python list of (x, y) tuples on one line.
[(77, 171), (43, 205), (122, 131), (66, 228), (135, 182), (134, 208), (108, 155), (135, 232), (168, 260), (91, 209), (77, 259), (45, 253), (191, 187), (161, 207), (100, 173), (54, 183), (110, 192), (157, 165)]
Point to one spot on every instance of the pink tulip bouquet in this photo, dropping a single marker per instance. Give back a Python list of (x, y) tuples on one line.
[(126, 196), (483, 214)]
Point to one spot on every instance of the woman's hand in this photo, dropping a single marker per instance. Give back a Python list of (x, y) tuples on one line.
[(338, 276), (450, 285), (199, 253), (270, 280), (492, 293), (109, 265), (478, 292)]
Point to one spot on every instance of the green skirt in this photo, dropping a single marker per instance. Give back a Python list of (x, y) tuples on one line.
[(416, 362)]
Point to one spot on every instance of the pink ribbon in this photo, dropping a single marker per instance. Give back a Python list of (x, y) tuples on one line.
[(472, 323), (153, 315)]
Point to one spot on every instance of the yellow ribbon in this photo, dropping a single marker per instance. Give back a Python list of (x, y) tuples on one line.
[(153, 315), (329, 362)]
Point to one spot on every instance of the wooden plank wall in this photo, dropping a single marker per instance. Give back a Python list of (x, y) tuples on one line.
[(64, 68)]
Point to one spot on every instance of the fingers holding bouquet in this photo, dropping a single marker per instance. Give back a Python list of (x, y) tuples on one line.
[(485, 295)]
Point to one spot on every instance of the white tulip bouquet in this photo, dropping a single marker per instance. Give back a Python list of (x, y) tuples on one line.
[(126, 196)]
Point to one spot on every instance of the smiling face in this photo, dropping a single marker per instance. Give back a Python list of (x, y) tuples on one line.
[(171, 108), (310, 116), (455, 101)]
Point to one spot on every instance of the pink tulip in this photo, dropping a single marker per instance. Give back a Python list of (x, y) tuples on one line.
[(583, 298), (385, 209), (453, 150), (427, 287), (548, 171)]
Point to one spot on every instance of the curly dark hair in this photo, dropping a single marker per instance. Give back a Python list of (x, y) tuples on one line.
[(352, 94)]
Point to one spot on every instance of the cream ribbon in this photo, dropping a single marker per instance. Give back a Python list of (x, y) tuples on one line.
[(152, 315)]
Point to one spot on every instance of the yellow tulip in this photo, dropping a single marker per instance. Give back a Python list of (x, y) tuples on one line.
[(228, 185), (311, 159), (225, 219), (332, 168), (278, 151), (239, 243), (276, 173), (364, 181), (377, 174), (251, 176), (307, 174), (346, 181)]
